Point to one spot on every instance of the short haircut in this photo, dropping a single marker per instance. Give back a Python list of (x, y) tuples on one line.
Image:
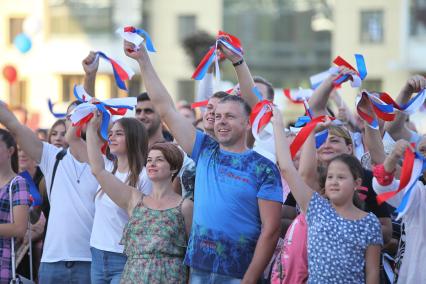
[(188, 107), (270, 94), (220, 95), (143, 97), (73, 104), (172, 154), (239, 100)]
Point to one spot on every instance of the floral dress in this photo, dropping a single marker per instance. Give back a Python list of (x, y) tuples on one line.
[(155, 244)]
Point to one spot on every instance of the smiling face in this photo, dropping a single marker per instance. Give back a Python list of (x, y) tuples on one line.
[(340, 183), (208, 117), (231, 124), (157, 166), (338, 142), (117, 140)]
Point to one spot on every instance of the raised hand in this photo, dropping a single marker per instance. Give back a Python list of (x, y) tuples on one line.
[(230, 55), (90, 63), (415, 84), (134, 52), (396, 155), (277, 118)]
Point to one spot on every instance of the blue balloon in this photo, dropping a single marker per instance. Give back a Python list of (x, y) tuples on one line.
[(22, 42)]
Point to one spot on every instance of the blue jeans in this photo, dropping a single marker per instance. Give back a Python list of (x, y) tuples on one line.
[(204, 277), (72, 272), (107, 266)]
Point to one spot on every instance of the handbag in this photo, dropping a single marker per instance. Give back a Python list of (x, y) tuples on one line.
[(17, 278)]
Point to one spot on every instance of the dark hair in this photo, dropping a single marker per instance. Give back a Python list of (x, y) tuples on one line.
[(143, 97), (188, 107), (260, 80), (353, 164), (58, 122), (73, 104), (8, 139), (172, 154), (237, 99), (220, 95), (356, 170), (137, 148)]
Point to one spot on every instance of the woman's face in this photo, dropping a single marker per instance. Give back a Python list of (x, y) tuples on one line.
[(333, 146), (340, 183), (25, 162), (158, 168), (117, 138), (5, 152), (57, 136)]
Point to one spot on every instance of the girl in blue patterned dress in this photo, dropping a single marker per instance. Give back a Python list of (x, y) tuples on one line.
[(344, 242)]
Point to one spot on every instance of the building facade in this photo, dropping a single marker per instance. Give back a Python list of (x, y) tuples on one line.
[(72, 28)]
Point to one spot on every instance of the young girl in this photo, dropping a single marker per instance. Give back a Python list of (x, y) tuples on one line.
[(20, 203), (56, 134), (344, 242), (155, 237), (128, 144)]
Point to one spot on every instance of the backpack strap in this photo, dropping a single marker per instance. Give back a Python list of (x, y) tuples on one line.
[(61, 154)]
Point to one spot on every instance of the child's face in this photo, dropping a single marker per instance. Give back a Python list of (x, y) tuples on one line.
[(339, 184)]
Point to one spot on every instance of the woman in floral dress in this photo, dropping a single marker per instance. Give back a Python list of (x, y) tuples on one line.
[(156, 235)]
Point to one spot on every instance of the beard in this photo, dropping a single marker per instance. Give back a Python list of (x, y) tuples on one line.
[(153, 127)]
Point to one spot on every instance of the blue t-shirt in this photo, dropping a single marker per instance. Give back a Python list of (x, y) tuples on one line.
[(226, 222), (337, 246)]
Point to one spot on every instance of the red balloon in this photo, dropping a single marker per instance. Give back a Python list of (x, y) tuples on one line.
[(10, 73)]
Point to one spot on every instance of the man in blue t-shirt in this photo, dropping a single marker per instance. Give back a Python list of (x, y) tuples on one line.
[(238, 194)]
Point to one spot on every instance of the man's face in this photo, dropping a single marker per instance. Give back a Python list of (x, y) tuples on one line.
[(208, 117), (146, 113), (230, 124)]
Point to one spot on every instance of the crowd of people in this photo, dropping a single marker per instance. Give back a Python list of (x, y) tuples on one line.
[(176, 199)]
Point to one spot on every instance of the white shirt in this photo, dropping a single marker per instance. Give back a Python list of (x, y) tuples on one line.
[(413, 263), (71, 207), (109, 218)]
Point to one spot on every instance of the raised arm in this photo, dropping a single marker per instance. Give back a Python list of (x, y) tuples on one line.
[(397, 128), (90, 65), (77, 145), (26, 138), (301, 192), (243, 74), (120, 193), (372, 137), (321, 95), (182, 129)]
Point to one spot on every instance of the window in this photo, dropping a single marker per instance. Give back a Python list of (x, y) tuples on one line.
[(18, 94), (186, 26), (15, 28), (418, 18), (80, 16), (372, 26), (186, 90), (68, 82)]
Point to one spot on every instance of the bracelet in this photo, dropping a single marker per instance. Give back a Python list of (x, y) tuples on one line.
[(238, 63), (383, 177)]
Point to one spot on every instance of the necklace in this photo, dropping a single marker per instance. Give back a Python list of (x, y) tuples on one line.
[(78, 176)]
